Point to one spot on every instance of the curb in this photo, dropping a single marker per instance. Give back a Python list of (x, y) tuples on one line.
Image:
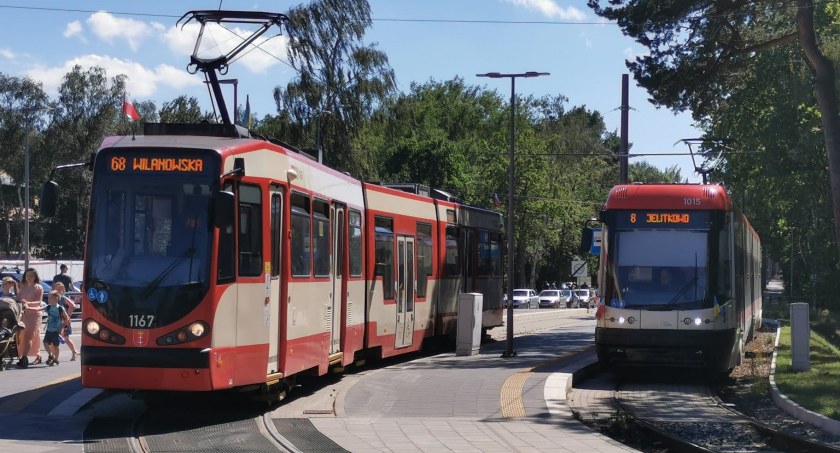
[(786, 404)]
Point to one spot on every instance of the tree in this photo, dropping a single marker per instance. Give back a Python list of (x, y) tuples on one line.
[(647, 173), (340, 79), (699, 50), (16, 95), (183, 109), (88, 107), (454, 136)]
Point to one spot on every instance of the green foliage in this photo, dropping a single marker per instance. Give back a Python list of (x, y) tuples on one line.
[(741, 70), (16, 128), (644, 172), (340, 81), (454, 136), (88, 107), (183, 109)]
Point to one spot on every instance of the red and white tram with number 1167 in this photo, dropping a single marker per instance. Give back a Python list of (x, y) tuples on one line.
[(215, 260)]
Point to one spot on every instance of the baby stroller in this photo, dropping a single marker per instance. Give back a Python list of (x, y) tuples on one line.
[(10, 327)]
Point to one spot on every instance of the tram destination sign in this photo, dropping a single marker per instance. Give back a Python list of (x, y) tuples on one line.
[(120, 164), (663, 219)]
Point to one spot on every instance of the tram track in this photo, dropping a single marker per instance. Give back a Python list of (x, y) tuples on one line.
[(188, 428), (693, 419)]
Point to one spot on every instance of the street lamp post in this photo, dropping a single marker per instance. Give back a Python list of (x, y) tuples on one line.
[(509, 352), (28, 111), (318, 135)]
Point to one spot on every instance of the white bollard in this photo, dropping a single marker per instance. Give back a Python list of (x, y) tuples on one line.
[(470, 311), (800, 337)]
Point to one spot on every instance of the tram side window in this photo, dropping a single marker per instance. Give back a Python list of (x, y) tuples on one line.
[(300, 246), (485, 258), (723, 284), (321, 238), (250, 230), (453, 261), (496, 254), (384, 227), (276, 236), (355, 244), (424, 257), (224, 273)]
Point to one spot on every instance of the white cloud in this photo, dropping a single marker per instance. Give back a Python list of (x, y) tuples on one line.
[(109, 27), (141, 83), (73, 29), (7, 54), (218, 41), (631, 53), (551, 9), (586, 41)]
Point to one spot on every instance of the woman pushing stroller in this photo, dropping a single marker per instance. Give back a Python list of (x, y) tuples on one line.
[(31, 295), (10, 329)]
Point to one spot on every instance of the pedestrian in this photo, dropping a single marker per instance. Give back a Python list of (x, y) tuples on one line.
[(69, 307), (64, 278), (9, 288), (57, 320), (31, 295)]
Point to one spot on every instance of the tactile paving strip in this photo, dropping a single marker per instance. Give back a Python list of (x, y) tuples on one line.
[(234, 436), (107, 435), (303, 435)]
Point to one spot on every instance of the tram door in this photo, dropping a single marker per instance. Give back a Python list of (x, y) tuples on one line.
[(338, 292), (272, 277), (405, 291)]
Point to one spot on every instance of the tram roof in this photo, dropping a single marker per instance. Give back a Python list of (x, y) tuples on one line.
[(701, 197)]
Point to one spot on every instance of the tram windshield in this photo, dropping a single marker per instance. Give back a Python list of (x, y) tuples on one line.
[(661, 268), (149, 235)]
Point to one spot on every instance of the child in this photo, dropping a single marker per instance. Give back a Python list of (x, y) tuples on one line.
[(69, 307), (57, 320)]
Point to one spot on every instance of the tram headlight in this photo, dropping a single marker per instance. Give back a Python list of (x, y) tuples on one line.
[(698, 321), (197, 329), (92, 327), (621, 320)]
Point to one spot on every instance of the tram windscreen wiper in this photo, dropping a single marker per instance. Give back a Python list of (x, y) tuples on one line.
[(682, 291), (153, 285)]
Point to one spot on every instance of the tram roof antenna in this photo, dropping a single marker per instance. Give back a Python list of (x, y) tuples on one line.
[(209, 66), (702, 170)]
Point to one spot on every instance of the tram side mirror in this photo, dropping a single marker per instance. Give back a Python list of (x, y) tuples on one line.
[(49, 198), (586, 236), (223, 204)]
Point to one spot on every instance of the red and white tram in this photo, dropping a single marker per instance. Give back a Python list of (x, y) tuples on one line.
[(680, 276), (215, 260)]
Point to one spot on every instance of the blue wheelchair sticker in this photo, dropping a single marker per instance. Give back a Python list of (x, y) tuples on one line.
[(91, 293), (102, 297)]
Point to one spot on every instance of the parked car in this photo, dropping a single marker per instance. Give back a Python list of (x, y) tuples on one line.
[(566, 297), (584, 297), (525, 298), (551, 298)]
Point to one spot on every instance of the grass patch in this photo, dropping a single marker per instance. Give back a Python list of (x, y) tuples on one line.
[(817, 389)]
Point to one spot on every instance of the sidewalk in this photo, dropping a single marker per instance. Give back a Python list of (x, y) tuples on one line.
[(37, 404), (482, 403)]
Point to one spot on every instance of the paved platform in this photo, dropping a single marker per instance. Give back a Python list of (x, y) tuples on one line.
[(38, 405), (481, 403), (439, 403)]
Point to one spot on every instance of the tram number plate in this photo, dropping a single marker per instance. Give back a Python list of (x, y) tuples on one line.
[(140, 321)]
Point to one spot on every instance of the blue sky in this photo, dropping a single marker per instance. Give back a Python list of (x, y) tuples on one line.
[(584, 54)]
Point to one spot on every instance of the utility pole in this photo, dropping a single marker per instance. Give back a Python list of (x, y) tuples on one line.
[(625, 113)]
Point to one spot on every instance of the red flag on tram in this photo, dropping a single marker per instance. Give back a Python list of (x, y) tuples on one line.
[(496, 201), (130, 111)]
